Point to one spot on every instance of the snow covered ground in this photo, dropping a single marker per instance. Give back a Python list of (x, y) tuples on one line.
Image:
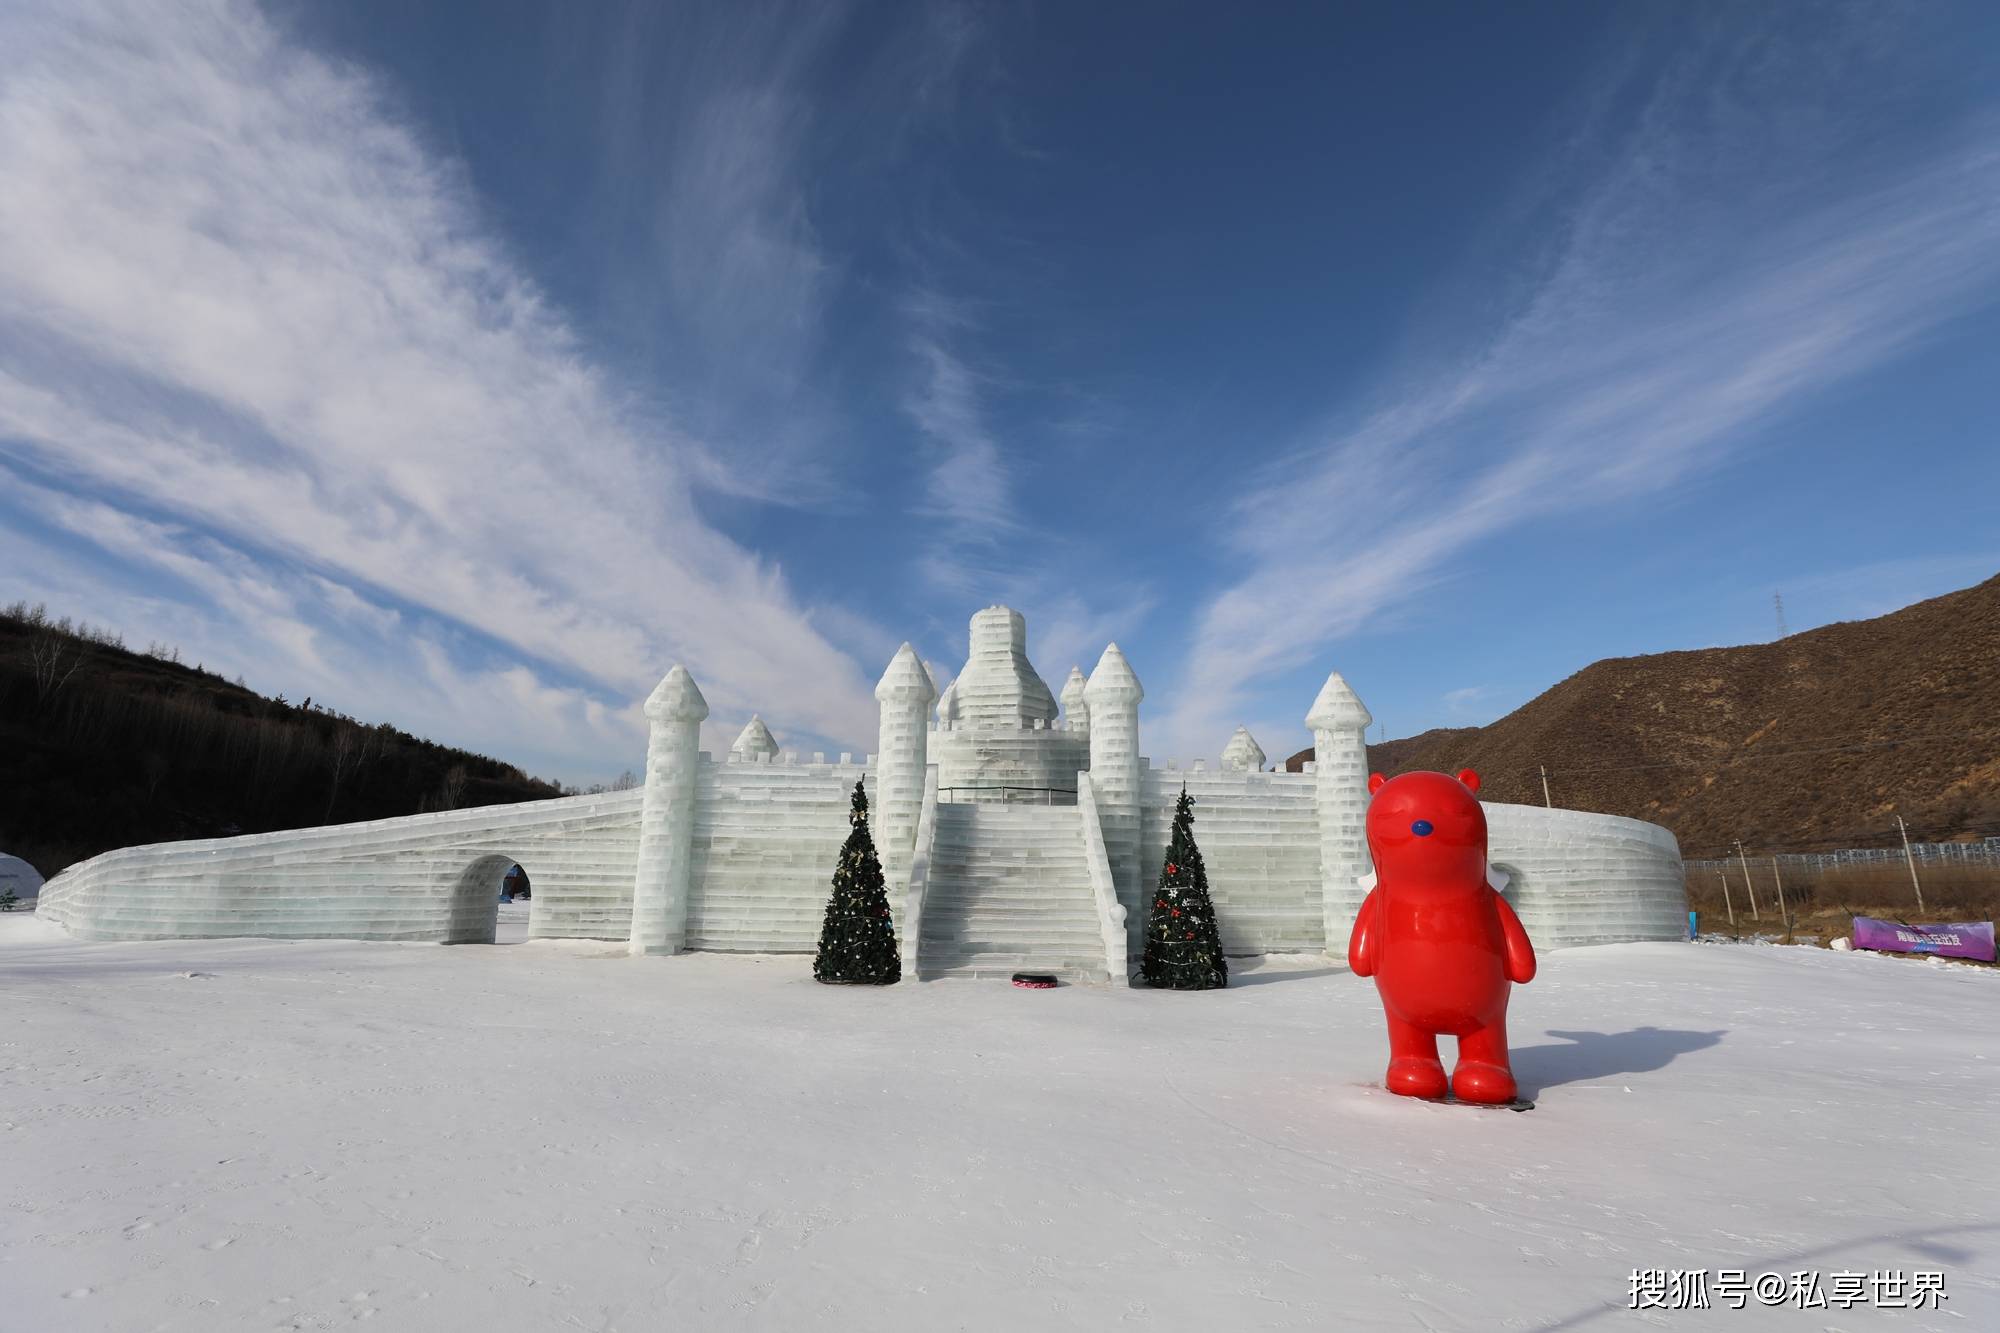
[(251, 1135)]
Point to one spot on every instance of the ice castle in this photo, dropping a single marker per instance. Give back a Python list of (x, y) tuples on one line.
[(1018, 830)]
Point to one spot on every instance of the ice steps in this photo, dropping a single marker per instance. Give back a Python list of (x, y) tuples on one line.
[(1009, 891)]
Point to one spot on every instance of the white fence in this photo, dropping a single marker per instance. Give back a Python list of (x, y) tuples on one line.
[(1985, 853)]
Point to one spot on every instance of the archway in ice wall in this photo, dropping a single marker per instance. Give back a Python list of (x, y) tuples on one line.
[(475, 900)]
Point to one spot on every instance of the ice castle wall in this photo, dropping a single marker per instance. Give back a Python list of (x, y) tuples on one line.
[(1576, 878), (765, 839), (976, 763), (419, 877)]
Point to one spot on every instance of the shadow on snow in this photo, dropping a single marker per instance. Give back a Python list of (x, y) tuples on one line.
[(1593, 1055)]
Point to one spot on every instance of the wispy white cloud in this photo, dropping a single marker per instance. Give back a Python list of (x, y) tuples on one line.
[(1860, 592), (1712, 274), (717, 126), (235, 290), (983, 546), (698, 205), (1465, 700), (288, 631), (969, 486)]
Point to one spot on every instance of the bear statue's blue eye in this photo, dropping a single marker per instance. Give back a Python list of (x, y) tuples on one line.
[(1422, 828)]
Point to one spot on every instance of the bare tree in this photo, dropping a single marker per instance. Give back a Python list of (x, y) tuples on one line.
[(353, 749), (452, 789), (344, 755), (53, 658)]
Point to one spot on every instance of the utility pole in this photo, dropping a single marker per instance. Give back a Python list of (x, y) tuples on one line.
[(1545, 788), (1730, 906), (1910, 857), (1778, 602), (1784, 913), (1748, 887)]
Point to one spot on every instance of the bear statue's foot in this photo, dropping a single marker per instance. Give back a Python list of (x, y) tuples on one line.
[(1479, 1081), (1415, 1076)]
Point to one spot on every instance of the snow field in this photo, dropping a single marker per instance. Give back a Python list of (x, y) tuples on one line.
[(246, 1134)]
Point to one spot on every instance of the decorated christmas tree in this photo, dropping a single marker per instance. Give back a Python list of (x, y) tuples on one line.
[(1183, 947), (857, 945)]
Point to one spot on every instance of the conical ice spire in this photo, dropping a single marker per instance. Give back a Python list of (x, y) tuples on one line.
[(1072, 695), (1338, 708), (906, 681), (1112, 682), (756, 742), (676, 699), (1243, 752)]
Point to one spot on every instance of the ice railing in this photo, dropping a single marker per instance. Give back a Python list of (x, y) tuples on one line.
[(1062, 726), (1103, 888), (912, 922), (791, 759)]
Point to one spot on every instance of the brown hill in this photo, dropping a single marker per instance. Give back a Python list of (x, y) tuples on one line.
[(1811, 742)]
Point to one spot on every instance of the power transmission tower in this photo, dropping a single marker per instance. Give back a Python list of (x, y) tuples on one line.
[(1778, 604)]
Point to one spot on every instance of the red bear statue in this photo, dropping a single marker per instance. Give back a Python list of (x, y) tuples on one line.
[(1440, 943)]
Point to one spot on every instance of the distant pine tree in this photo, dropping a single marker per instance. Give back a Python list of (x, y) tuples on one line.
[(857, 945), (1183, 946)]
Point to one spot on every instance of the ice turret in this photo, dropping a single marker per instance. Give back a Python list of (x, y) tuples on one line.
[(756, 742), (906, 694), (1243, 753), (1338, 707), (1340, 725), (998, 688), (1076, 713), (660, 885), (1112, 681), (905, 679), (997, 738), (676, 698), (1112, 695)]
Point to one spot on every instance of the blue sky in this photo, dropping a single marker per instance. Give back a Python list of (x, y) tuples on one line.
[(467, 366)]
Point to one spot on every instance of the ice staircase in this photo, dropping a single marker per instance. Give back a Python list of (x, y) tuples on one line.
[(1009, 892)]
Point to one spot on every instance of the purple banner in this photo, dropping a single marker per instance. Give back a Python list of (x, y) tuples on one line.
[(1958, 939)]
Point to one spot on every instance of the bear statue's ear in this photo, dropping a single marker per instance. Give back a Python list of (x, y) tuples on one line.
[(1375, 781), (1469, 778)]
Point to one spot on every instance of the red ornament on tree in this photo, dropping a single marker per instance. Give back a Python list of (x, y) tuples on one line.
[(1173, 869)]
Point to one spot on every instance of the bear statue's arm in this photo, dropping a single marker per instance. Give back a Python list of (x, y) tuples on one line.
[(1361, 944), (1520, 950)]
